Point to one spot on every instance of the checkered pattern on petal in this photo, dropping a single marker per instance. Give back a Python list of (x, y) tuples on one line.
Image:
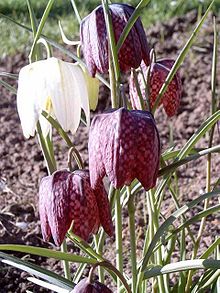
[(83, 206), (94, 39), (159, 72), (129, 146)]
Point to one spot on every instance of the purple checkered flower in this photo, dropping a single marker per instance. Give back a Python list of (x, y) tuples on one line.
[(94, 39), (65, 197), (158, 75), (124, 145)]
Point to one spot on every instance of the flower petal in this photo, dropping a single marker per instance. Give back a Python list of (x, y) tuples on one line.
[(27, 104), (64, 93), (58, 206), (44, 191)]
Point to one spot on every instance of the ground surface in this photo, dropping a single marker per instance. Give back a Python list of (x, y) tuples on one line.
[(21, 162)]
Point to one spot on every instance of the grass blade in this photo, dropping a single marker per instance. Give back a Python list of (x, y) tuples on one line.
[(185, 265), (165, 226), (36, 270)]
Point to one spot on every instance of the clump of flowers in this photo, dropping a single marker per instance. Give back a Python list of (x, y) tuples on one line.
[(124, 146)]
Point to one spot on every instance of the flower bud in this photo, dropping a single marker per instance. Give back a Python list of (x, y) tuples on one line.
[(124, 145), (94, 39), (65, 197), (84, 286), (158, 75)]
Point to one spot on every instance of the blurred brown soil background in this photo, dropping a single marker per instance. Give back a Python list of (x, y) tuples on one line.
[(22, 166)]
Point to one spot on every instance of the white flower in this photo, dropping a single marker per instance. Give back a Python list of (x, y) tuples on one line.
[(56, 87)]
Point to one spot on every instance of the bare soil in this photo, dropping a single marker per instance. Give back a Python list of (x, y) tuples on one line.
[(22, 166)]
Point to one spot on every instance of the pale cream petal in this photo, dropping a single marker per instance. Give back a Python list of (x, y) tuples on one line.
[(80, 81), (92, 88), (65, 95), (26, 101)]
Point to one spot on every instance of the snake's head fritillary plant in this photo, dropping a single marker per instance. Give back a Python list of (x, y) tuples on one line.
[(66, 197), (55, 86), (159, 72), (95, 41), (84, 286), (124, 145)]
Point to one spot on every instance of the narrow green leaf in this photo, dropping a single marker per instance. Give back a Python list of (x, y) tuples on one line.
[(9, 75), (131, 22), (198, 217), (211, 248), (40, 27), (33, 19), (165, 226), (47, 285), (182, 266), (36, 270), (47, 253), (8, 86)]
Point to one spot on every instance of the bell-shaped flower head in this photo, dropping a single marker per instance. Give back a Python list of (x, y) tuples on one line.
[(158, 75), (94, 39), (66, 197), (56, 87), (124, 145)]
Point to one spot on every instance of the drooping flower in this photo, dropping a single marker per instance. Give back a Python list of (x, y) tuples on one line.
[(84, 286), (158, 75), (93, 35), (65, 197), (56, 87), (124, 145)]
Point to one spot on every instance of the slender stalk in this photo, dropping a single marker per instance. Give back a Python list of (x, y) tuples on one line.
[(131, 22), (40, 28), (131, 215), (118, 235), (113, 84), (65, 263), (76, 11), (155, 217), (100, 269), (111, 38)]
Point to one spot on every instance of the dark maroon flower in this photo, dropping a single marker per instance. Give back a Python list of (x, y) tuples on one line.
[(94, 39), (65, 197), (159, 72), (84, 286), (124, 145)]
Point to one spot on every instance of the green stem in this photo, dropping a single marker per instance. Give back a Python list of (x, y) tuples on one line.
[(131, 215), (66, 266), (118, 235), (111, 38), (100, 269), (113, 84), (76, 11), (47, 156), (155, 217), (131, 22), (40, 28)]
